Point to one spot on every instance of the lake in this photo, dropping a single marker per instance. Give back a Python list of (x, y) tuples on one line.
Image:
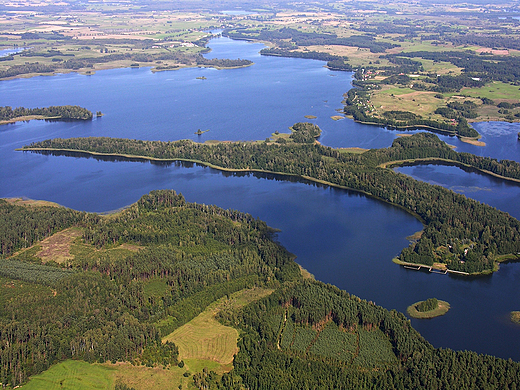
[(341, 237)]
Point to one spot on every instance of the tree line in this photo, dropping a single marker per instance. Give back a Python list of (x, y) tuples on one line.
[(453, 223), (300, 38), (501, 68), (262, 364), (95, 306), (55, 112)]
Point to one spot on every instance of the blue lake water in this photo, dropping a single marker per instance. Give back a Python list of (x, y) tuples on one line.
[(343, 238), (501, 194)]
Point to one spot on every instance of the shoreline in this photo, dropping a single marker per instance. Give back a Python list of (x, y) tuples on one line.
[(209, 165), (398, 163), (27, 119), (414, 266), (470, 140), (436, 269)]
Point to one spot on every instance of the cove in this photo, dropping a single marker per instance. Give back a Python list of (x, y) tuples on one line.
[(502, 194), (341, 237)]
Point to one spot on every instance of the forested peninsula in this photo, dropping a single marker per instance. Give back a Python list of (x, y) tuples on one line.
[(133, 278), (9, 115), (460, 234)]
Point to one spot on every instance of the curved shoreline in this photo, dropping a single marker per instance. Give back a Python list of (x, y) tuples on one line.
[(27, 119), (308, 178), (417, 161), (209, 165), (450, 133)]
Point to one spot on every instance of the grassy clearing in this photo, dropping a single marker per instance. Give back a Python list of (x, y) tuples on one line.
[(156, 288), (80, 250), (440, 68), (204, 340), (495, 90), (421, 103), (73, 375), (509, 257), (79, 375), (441, 309), (353, 150)]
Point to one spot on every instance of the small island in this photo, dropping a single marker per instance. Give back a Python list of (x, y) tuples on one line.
[(515, 317), (430, 308)]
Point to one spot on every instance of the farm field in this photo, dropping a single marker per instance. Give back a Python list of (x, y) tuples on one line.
[(204, 340)]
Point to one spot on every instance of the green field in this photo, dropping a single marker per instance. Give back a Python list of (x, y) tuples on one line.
[(80, 375), (73, 375), (495, 90)]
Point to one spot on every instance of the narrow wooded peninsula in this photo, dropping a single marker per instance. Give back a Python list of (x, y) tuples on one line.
[(131, 280), (460, 234), (9, 115)]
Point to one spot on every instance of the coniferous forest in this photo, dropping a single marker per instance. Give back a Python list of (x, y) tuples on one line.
[(169, 294), (54, 112), (462, 233), (95, 306)]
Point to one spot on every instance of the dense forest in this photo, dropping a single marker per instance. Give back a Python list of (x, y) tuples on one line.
[(501, 68), (300, 38), (334, 62), (460, 232), (54, 112), (304, 335), (96, 308), (331, 340)]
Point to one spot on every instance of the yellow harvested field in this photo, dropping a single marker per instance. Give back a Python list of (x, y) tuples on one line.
[(419, 102), (204, 338), (143, 378)]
